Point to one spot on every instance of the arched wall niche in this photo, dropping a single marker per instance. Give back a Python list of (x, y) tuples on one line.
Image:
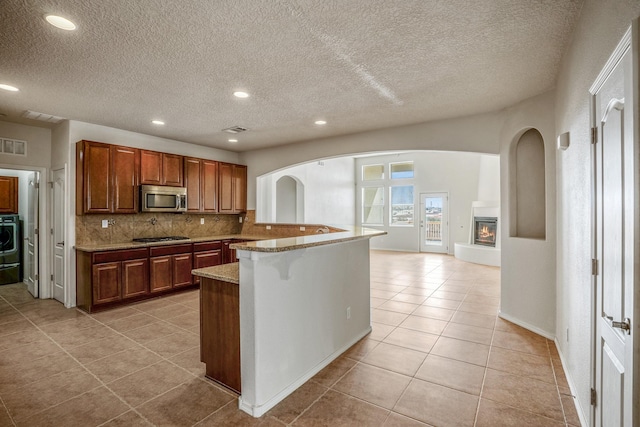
[(289, 200), (527, 186)]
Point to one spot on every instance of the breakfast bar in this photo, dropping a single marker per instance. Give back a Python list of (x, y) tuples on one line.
[(282, 313)]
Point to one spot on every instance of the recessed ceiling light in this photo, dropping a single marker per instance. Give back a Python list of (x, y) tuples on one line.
[(9, 88), (320, 122), (157, 122), (233, 140), (240, 94), (60, 22)]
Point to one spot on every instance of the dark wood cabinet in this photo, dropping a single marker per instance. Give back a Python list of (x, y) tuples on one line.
[(232, 188), (125, 165), (170, 267), (106, 178), (8, 194), (201, 181), (220, 332), (206, 254), (161, 168), (105, 278)]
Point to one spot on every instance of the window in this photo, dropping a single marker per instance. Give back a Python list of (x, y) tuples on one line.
[(402, 205), (373, 205), (372, 172), (402, 170)]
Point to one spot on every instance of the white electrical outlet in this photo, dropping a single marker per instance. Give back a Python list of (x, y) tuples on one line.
[(348, 313), (201, 221), (240, 219), (105, 223), (268, 227), (302, 228)]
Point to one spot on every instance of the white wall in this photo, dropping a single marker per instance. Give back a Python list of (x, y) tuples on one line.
[(458, 174), (528, 265), (327, 185), (599, 29), (477, 134), (489, 178)]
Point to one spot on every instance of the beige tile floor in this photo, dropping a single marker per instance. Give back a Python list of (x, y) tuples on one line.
[(438, 355)]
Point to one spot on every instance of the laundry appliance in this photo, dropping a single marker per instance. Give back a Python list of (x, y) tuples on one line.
[(10, 249)]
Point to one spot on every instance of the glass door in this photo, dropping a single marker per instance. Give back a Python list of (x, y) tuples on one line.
[(434, 222)]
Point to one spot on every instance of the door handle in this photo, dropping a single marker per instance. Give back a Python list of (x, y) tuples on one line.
[(625, 325)]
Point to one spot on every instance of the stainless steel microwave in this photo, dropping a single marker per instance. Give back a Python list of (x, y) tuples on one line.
[(154, 198)]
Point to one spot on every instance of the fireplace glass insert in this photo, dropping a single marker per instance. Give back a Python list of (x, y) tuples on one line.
[(485, 230)]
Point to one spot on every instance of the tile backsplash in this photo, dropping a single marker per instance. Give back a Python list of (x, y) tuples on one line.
[(124, 228)]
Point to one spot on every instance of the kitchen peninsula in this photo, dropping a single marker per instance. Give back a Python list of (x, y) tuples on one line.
[(301, 302)]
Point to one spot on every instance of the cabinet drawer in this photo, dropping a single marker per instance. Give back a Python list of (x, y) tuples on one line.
[(207, 246), (170, 250), (112, 256)]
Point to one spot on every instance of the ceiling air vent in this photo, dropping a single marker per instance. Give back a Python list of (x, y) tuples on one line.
[(234, 129), (42, 117)]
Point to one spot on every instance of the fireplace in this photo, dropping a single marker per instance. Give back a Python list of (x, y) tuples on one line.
[(485, 230)]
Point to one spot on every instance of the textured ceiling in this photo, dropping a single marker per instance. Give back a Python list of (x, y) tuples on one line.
[(359, 64)]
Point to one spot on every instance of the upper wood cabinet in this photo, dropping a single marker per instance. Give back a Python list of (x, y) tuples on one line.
[(106, 178), (232, 188), (161, 168), (201, 180), (9, 194)]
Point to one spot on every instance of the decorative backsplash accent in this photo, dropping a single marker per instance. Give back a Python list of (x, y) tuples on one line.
[(124, 228)]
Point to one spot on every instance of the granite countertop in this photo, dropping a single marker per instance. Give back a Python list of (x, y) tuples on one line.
[(300, 242), (225, 272), (135, 245)]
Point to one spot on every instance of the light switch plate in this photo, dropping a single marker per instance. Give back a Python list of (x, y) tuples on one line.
[(105, 223), (268, 227), (201, 221)]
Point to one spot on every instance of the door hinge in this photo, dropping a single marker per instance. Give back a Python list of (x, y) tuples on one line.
[(594, 397), (594, 135), (594, 267), (52, 231), (36, 231), (52, 277), (37, 277), (51, 184)]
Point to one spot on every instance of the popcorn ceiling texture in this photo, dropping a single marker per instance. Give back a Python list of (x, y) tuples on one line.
[(360, 65)]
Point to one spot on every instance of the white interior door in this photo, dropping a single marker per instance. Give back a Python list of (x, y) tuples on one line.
[(58, 231), (434, 222), (615, 241), (32, 240)]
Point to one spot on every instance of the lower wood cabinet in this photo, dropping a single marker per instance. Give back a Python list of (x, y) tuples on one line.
[(109, 278), (170, 267)]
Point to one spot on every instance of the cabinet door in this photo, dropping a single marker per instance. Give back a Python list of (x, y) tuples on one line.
[(192, 174), (225, 188), (8, 194), (206, 259), (160, 273), (96, 160), (228, 254), (172, 170), (239, 188), (135, 278), (150, 167), (106, 282), (182, 266), (126, 163), (209, 180)]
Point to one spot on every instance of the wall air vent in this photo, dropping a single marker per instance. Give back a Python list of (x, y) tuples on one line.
[(13, 146), (42, 117), (234, 129)]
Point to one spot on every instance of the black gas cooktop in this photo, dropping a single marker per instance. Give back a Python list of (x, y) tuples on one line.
[(159, 239)]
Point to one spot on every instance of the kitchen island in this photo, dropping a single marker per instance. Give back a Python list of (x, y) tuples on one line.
[(302, 301)]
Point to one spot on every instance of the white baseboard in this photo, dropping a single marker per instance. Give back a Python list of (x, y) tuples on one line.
[(527, 326), (579, 408)]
